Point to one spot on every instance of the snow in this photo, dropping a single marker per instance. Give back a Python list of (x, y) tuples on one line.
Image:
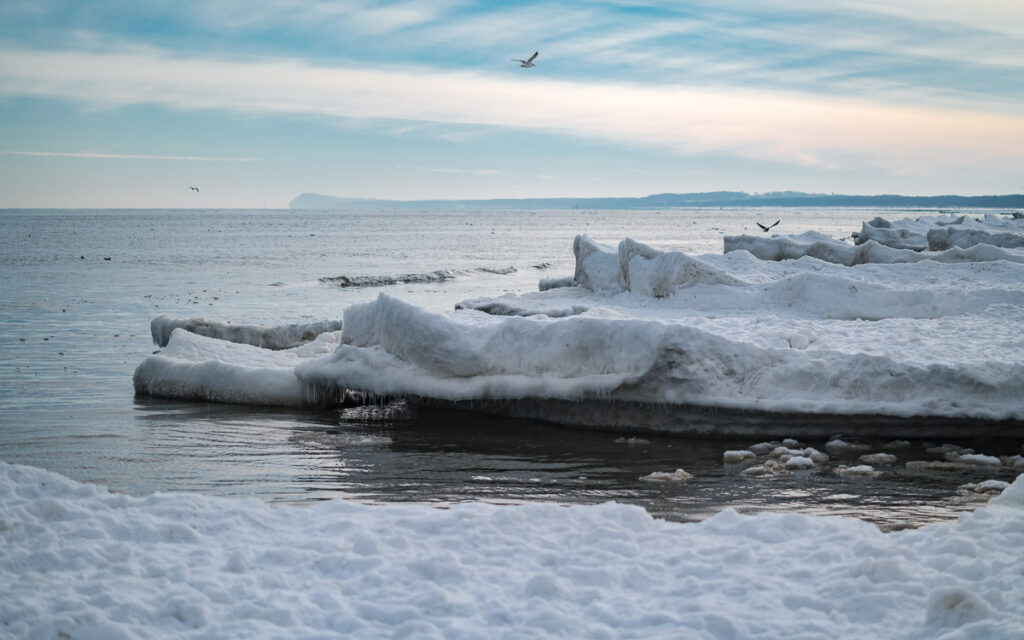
[(80, 562), (646, 333)]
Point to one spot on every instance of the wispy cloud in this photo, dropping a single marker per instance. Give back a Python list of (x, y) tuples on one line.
[(123, 156), (783, 127)]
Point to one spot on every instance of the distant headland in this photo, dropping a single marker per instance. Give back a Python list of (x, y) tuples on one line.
[(661, 200)]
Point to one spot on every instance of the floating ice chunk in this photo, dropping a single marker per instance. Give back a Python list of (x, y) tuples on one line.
[(817, 456), (878, 458), (980, 460), (632, 441), (839, 444), (735, 457), (986, 486), (791, 443), (799, 462), (666, 476), (769, 468), (762, 448), (195, 367), (858, 470), (284, 336), (782, 452)]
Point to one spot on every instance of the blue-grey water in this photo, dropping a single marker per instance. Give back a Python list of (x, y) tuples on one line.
[(80, 287)]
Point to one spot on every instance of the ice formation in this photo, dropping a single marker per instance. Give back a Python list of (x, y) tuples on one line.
[(284, 336), (196, 367), (934, 238), (646, 335), (80, 562)]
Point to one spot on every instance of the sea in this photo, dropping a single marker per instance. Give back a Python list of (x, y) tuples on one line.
[(80, 287)]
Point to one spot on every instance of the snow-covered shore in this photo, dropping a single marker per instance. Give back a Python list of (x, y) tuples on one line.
[(80, 562), (786, 325)]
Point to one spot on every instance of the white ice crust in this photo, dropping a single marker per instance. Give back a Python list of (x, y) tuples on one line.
[(80, 562), (888, 335)]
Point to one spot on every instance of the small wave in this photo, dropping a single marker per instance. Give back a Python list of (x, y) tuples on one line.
[(440, 275)]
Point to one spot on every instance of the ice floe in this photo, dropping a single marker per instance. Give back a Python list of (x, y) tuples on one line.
[(646, 335), (195, 367)]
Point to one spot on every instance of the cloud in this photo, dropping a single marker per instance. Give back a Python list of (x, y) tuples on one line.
[(782, 127), (123, 156)]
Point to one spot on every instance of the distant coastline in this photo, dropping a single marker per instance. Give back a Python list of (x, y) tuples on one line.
[(710, 199)]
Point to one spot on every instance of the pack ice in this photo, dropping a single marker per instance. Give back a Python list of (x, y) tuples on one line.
[(81, 562), (919, 318)]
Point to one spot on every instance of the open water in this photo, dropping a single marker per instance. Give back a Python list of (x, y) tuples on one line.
[(79, 288)]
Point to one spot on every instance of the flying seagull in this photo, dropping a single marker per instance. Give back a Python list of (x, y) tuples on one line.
[(764, 228), (196, 189), (526, 64)]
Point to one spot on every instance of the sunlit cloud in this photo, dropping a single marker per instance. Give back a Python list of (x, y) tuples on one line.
[(782, 127), (123, 156)]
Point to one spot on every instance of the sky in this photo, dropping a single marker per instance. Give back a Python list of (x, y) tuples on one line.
[(127, 103)]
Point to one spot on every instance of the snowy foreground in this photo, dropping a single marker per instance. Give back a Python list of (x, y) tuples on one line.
[(79, 562), (920, 318)]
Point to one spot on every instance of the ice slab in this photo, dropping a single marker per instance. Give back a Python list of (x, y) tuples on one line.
[(195, 367), (80, 562)]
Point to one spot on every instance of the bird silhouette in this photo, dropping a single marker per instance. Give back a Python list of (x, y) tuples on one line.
[(196, 189), (764, 228), (526, 64)]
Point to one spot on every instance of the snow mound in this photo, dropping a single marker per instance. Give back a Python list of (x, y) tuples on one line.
[(81, 562), (284, 336)]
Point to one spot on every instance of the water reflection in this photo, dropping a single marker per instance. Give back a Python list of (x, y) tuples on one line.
[(397, 452)]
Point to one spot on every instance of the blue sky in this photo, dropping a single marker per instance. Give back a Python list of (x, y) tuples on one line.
[(127, 103)]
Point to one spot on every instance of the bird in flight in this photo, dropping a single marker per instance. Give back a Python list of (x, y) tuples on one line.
[(526, 64), (196, 189), (764, 228)]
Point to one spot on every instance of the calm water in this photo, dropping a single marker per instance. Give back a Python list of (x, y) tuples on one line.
[(80, 287)]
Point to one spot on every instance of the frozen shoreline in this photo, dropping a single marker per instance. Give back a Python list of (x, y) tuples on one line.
[(81, 562), (899, 333)]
